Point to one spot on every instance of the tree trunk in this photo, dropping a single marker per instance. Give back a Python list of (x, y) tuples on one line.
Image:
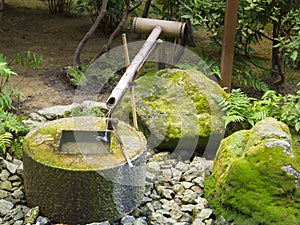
[(146, 9), (1, 8), (277, 69), (89, 34), (129, 9)]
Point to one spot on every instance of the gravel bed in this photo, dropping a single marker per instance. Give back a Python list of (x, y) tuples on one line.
[(173, 194)]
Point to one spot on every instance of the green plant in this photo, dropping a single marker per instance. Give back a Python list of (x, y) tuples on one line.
[(238, 108), (29, 59), (254, 20), (248, 75), (5, 141), (290, 46), (166, 9), (7, 90), (77, 77), (113, 15), (246, 111), (247, 79), (12, 132), (61, 7), (81, 77), (206, 65), (291, 110)]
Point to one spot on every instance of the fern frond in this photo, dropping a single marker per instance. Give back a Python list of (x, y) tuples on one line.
[(221, 101), (5, 140), (17, 147), (77, 77), (5, 101), (259, 115), (249, 80), (233, 119), (12, 124)]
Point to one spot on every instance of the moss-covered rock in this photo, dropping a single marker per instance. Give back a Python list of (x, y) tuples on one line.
[(255, 178), (177, 112)]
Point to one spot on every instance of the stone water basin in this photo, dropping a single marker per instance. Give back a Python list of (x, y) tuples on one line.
[(73, 183)]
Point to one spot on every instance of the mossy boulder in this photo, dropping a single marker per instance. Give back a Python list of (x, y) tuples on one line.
[(255, 177), (176, 111)]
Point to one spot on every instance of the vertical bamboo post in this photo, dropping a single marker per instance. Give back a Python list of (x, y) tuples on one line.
[(228, 43), (127, 60), (131, 88), (159, 65)]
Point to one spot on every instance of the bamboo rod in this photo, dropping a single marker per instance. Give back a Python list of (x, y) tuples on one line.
[(131, 88), (119, 91), (126, 50)]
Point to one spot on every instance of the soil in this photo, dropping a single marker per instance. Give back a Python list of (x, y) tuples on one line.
[(28, 25)]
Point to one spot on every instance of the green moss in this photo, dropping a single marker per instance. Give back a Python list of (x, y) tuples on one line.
[(247, 184), (174, 104), (42, 145), (232, 148)]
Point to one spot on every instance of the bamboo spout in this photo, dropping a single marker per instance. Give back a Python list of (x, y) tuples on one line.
[(121, 88)]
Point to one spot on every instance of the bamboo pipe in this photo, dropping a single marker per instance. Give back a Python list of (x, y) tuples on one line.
[(121, 88), (169, 28)]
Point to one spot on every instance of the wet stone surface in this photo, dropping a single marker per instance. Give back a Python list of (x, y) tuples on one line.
[(173, 194)]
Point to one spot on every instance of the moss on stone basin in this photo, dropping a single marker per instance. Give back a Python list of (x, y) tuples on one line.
[(42, 144), (82, 188)]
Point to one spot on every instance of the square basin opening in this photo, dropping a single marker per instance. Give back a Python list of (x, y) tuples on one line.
[(85, 142)]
